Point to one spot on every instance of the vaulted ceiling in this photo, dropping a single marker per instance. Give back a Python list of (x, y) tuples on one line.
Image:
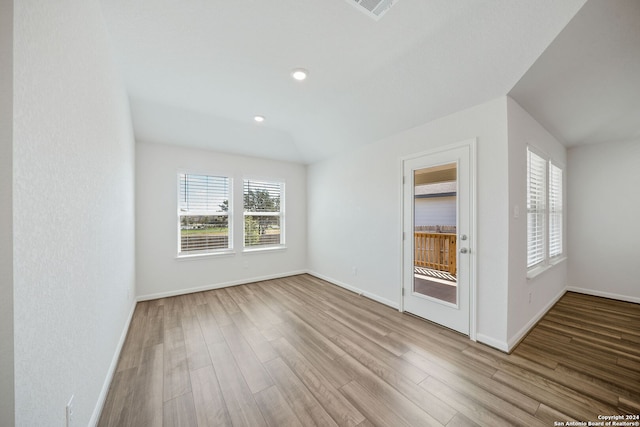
[(198, 71), (585, 87)]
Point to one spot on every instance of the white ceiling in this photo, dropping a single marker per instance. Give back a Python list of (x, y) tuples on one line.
[(585, 88), (197, 71)]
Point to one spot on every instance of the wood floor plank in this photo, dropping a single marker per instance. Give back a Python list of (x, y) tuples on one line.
[(180, 412), (301, 351), (310, 334), (228, 303), (148, 382), (195, 345), (117, 411), (364, 350), (259, 344), (261, 292), (550, 415), (380, 389), (376, 410), (465, 405), (209, 404), (555, 395), (209, 325), (501, 399), (306, 407), (409, 327), (176, 368), (275, 409), (217, 308), (134, 342), (343, 412), (461, 421), (254, 373), (323, 363), (154, 331), (375, 334), (516, 364), (238, 297), (239, 400), (259, 314)]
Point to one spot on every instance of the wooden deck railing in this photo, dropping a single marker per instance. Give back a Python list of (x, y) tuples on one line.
[(436, 251)]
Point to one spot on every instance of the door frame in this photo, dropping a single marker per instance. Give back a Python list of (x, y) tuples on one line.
[(472, 146)]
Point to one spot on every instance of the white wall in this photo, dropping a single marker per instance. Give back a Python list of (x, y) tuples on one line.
[(73, 210), (159, 273), (6, 214), (604, 225), (355, 205), (547, 287)]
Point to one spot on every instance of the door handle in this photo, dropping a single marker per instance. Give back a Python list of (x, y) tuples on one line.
[(464, 250)]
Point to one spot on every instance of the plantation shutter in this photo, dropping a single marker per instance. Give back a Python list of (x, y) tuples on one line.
[(203, 211), (263, 214), (555, 210), (536, 208)]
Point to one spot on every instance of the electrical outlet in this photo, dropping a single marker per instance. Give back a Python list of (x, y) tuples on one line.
[(70, 412), (529, 297), (354, 271)]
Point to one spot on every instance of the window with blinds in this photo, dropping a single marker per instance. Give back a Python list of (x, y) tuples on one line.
[(544, 210), (263, 213), (203, 214), (536, 209), (555, 210)]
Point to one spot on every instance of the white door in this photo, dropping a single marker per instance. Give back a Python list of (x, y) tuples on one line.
[(437, 225)]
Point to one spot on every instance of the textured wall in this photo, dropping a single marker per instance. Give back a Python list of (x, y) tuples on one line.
[(6, 213), (73, 205)]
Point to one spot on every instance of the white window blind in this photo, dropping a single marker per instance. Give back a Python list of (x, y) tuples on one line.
[(263, 213), (536, 208), (555, 210), (203, 212)]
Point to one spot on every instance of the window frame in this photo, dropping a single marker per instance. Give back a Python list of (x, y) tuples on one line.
[(280, 214), (555, 209), (552, 196), (229, 214)]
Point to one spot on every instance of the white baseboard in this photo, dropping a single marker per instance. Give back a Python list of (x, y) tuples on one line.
[(492, 342), (514, 340), (217, 285), (609, 295), (356, 290), (97, 411)]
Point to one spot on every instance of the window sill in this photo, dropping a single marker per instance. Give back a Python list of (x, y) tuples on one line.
[(264, 249), (558, 260), (193, 257), (536, 271)]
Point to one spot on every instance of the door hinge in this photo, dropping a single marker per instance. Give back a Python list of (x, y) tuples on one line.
[(402, 291), (404, 235), (404, 179)]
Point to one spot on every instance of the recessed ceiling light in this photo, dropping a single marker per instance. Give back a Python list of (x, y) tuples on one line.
[(258, 119), (299, 74)]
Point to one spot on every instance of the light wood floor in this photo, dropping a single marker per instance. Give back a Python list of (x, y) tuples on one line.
[(299, 351)]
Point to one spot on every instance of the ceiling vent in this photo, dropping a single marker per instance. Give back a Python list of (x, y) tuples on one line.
[(373, 8)]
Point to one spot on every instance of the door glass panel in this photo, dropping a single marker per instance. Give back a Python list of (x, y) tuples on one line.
[(435, 200)]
